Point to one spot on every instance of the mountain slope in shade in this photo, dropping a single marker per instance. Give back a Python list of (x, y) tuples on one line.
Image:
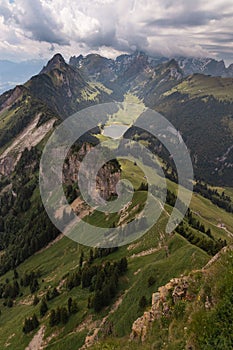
[(103, 69), (55, 93), (64, 89), (123, 70), (201, 108), (20, 113), (13, 73)]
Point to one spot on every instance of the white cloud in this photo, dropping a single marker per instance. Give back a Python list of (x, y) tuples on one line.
[(169, 27)]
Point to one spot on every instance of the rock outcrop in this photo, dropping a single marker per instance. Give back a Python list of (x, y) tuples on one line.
[(31, 136), (107, 177), (177, 289), (171, 293)]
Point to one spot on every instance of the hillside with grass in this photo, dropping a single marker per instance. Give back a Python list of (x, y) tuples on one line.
[(200, 107), (152, 262), (160, 291), (59, 284)]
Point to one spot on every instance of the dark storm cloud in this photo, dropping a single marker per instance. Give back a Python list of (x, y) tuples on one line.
[(36, 22), (196, 18), (167, 27), (102, 38), (219, 38)]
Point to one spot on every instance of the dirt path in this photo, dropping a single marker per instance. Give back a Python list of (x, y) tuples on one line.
[(146, 252), (37, 340), (229, 232)]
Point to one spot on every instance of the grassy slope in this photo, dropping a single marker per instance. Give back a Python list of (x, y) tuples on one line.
[(211, 216), (201, 85), (63, 256)]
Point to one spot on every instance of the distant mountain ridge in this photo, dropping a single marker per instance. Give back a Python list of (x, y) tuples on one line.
[(198, 105), (207, 66), (196, 95), (114, 67), (13, 73)]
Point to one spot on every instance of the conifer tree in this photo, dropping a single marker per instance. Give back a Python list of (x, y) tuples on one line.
[(43, 308), (64, 315), (52, 318), (142, 302), (35, 322), (70, 301), (36, 300)]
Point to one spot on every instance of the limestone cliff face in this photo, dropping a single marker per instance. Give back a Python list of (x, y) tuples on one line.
[(30, 137), (176, 288), (106, 179)]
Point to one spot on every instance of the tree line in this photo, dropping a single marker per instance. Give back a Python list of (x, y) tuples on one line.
[(24, 224), (208, 244), (221, 200)]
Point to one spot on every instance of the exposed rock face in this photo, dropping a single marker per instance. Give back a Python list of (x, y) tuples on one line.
[(28, 138), (57, 62), (177, 289), (10, 97), (206, 66), (7, 164), (107, 177)]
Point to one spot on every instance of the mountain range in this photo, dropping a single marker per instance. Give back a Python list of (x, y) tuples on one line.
[(199, 105), (188, 65), (163, 291), (12, 73)]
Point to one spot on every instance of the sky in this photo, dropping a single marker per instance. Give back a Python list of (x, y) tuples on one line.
[(36, 29)]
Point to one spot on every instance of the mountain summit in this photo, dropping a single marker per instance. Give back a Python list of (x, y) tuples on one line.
[(56, 62)]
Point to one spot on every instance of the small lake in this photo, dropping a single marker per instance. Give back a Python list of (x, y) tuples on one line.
[(115, 131)]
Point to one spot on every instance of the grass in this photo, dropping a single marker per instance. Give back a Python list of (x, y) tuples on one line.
[(212, 215), (202, 86), (130, 111), (53, 263), (63, 257), (91, 94), (160, 267), (228, 191)]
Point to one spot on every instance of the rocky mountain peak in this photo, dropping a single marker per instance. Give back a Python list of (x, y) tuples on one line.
[(56, 62), (172, 64)]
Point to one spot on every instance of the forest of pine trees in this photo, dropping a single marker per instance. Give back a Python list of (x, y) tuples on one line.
[(221, 200), (101, 280)]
